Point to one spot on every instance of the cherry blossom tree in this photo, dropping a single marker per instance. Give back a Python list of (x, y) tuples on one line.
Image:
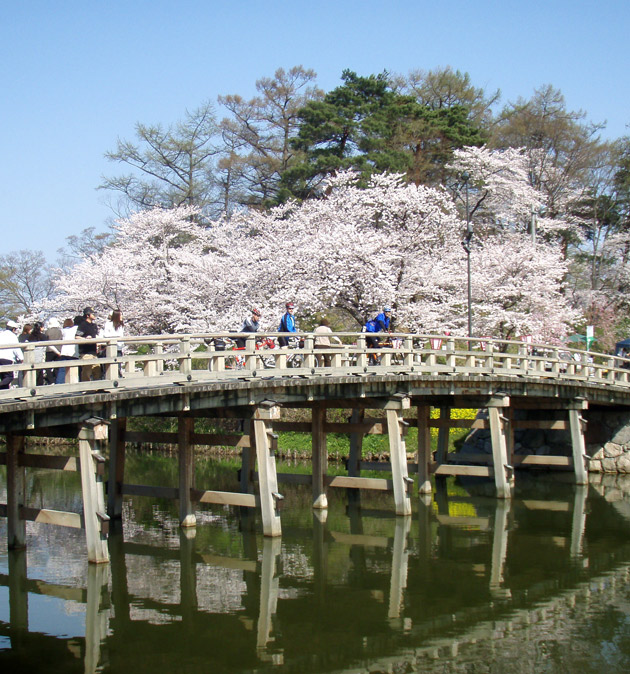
[(352, 250)]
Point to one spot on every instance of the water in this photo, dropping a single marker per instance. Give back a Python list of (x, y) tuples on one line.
[(467, 584)]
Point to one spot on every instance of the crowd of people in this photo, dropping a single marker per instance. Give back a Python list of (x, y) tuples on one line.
[(81, 327), (86, 331)]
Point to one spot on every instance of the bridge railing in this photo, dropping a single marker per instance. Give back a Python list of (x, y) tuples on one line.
[(155, 359)]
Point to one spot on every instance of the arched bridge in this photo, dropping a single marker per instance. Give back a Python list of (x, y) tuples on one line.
[(200, 375)]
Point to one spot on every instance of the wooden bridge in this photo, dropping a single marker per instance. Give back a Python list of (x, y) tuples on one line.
[(188, 377)]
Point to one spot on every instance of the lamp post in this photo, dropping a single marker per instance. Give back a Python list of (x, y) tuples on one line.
[(466, 244)]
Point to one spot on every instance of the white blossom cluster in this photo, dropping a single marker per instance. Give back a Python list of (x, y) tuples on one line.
[(352, 251)]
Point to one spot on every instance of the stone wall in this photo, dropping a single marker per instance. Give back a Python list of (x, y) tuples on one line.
[(607, 439)]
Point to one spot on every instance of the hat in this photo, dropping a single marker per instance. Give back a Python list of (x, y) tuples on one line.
[(53, 322), (255, 311), (87, 311), (12, 325), (290, 305), (386, 309)]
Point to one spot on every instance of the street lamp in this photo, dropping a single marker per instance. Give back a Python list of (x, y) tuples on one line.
[(466, 244)]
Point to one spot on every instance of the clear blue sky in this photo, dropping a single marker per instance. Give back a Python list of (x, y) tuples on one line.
[(78, 74)]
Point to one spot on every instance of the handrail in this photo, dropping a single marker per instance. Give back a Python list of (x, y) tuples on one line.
[(150, 359)]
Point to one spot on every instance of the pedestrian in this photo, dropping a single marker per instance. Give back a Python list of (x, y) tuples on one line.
[(287, 323), (11, 354), (115, 327), (379, 324), (37, 336), (26, 331), (68, 351), (53, 332), (88, 330), (322, 341), (250, 324)]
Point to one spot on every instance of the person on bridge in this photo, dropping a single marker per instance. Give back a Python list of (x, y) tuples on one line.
[(379, 324), (88, 330), (287, 323), (322, 341), (10, 355), (249, 325)]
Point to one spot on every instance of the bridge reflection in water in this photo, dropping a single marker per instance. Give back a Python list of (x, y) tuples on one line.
[(344, 589)]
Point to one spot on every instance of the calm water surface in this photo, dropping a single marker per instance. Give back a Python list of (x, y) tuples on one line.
[(467, 584)]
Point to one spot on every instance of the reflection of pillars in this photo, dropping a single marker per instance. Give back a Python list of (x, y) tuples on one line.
[(186, 455), (120, 592), (577, 442), (400, 558), (268, 591), (320, 457), (187, 574), (499, 449), (499, 549), (424, 530), (424, 449), (320, 554), (116, 467), (18, 597), (398, 457), (579, 520), (96, 621), (264, 414), (16, 492), (92, 490), (357, 552)]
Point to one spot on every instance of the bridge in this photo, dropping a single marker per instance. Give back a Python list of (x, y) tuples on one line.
[(515, 385)]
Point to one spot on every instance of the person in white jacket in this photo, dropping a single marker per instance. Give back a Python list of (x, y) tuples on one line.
[(11, 354), (115, 327)]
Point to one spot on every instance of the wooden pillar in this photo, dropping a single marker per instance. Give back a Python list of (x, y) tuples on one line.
[(443, 435), (424, 449), (116, 477), (499, 446), (320, 457), (398, 454), (248, 461), (356, 444), (267, 477), (186, 455), (577, 441), (16, 492), (91, 432)]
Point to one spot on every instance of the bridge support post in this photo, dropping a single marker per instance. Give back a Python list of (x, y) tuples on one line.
[(270, 499), (320, 457), (443, 435), (95, 519), (16, 492), (396, 428), (577, 423), (498, 425), (186, 455), (424, 449), (116, 477), (248, 462)]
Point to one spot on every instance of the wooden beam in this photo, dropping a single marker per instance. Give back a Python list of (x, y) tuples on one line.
[(346, 482), (225, 498), (59, 517), (452, 469), (68, 463)]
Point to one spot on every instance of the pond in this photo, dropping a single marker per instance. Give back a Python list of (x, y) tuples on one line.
[(468, 583)]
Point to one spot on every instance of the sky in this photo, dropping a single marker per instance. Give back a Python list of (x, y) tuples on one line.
[(77, 75)]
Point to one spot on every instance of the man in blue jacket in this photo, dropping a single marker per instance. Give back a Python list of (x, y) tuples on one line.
[(287, 323), (378, 324)]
